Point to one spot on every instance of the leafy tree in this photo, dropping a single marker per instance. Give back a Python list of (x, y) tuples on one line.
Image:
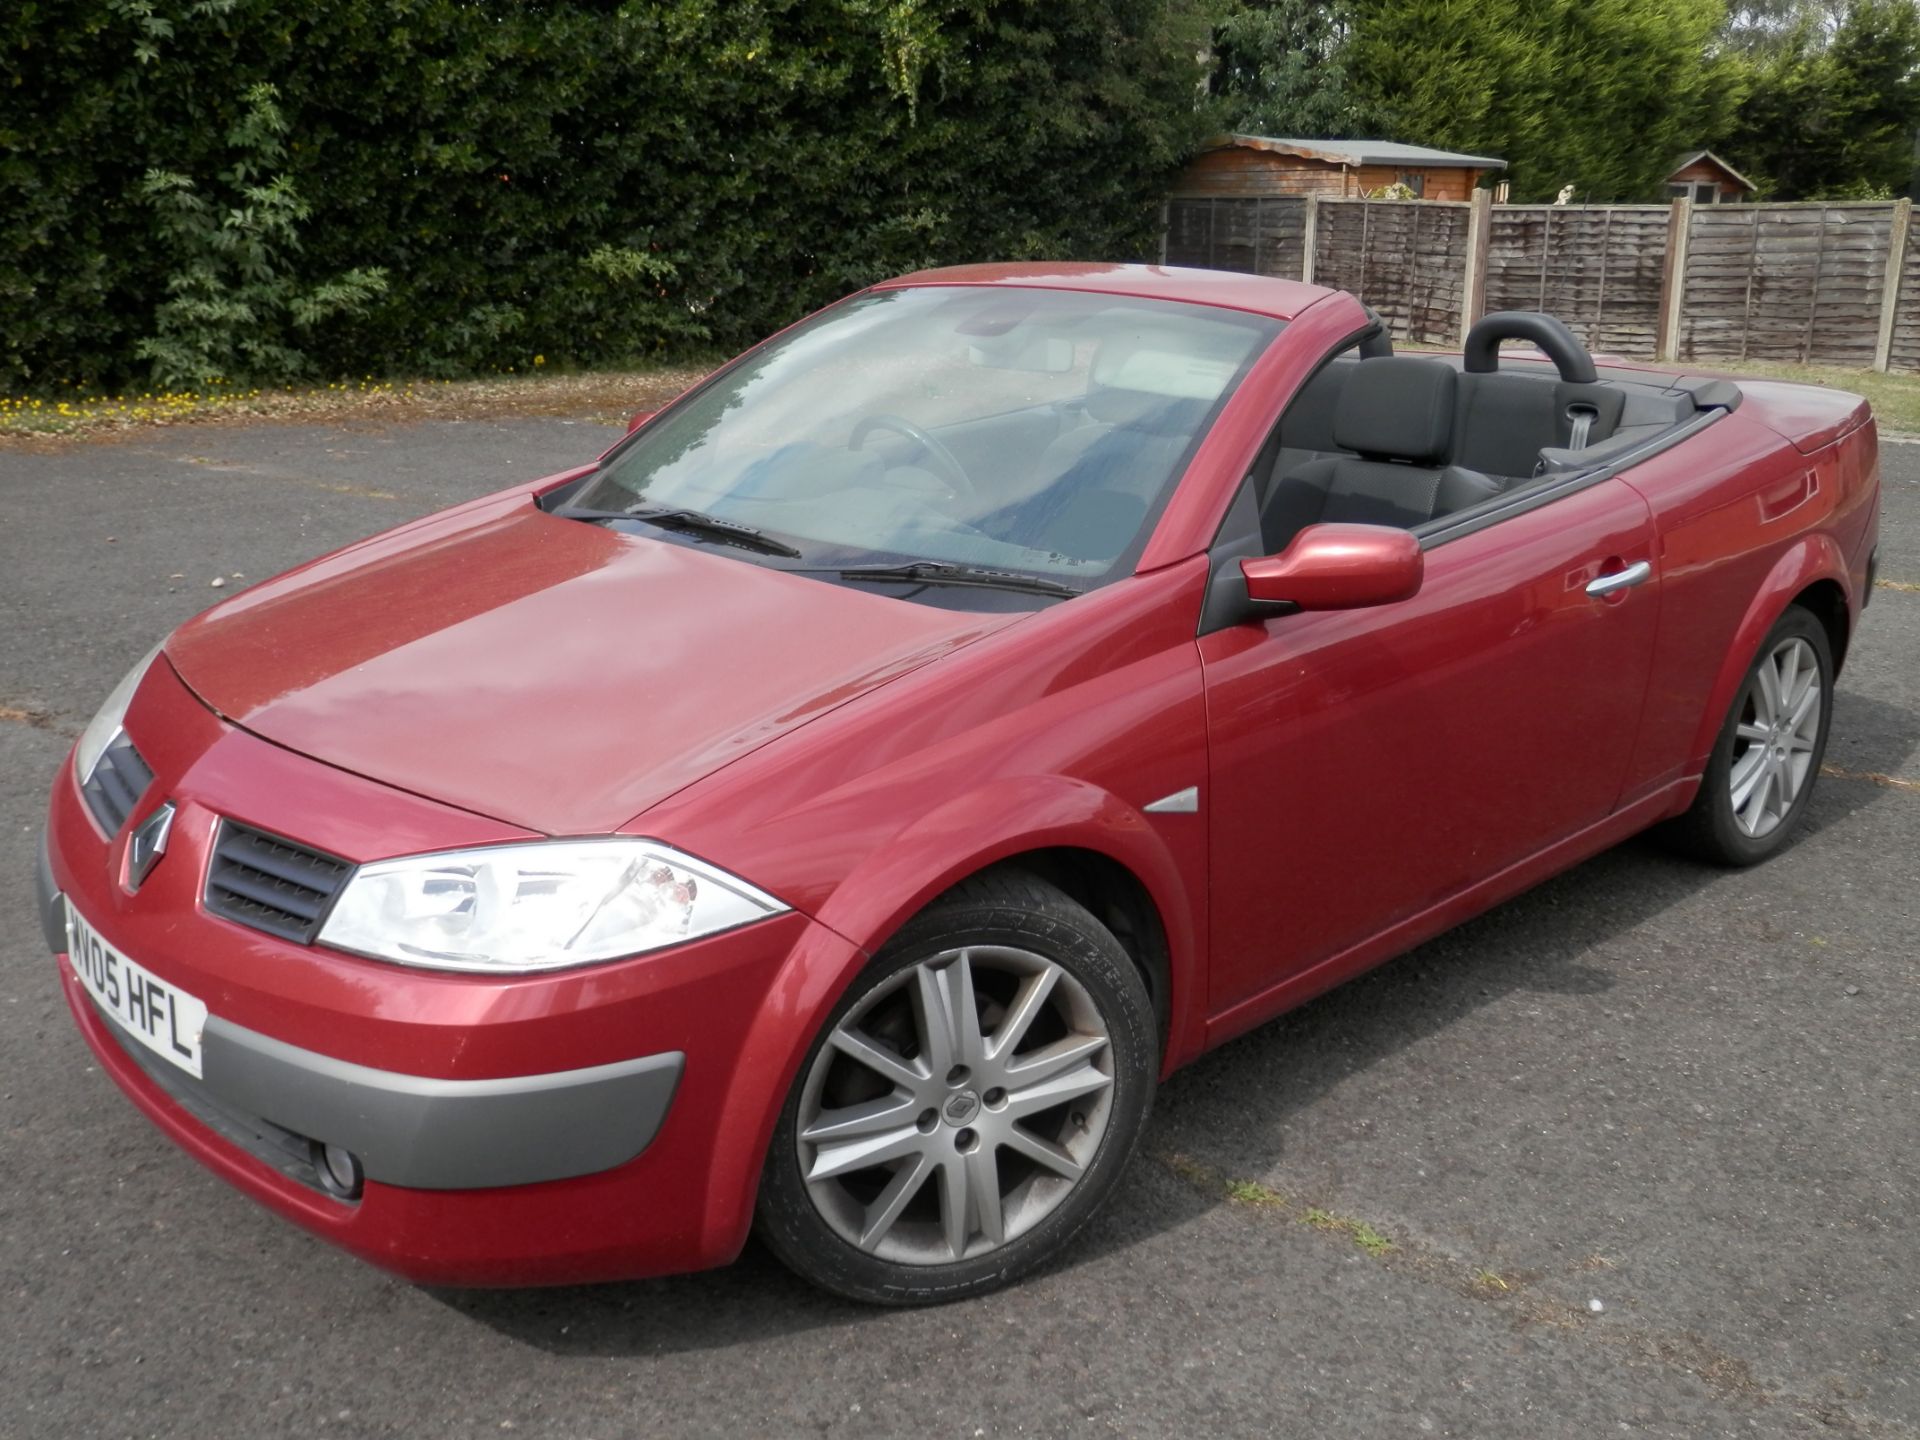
[(1280, 68), (1598, 94), (594, 180), (1764, 26), (1831, 113), (230, 299)]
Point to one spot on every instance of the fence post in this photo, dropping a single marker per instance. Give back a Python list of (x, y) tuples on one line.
[(1166, 219), (1309, 238), (1473, 286), (1890, 290), (1673, 279)]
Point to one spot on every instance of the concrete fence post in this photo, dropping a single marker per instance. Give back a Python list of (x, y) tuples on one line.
[(1890, 289), (1309, 238), (1673, 279), (1473, 285)]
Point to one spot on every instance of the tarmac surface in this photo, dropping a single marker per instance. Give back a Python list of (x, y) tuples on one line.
[(1633, 1154)]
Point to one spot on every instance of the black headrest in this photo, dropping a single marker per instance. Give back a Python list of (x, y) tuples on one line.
[(1400, 407)]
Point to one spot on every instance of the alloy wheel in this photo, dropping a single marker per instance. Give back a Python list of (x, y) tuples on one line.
[(1775, 739), (955, 1106)]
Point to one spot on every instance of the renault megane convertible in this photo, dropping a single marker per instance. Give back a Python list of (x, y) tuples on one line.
[(837, 808)]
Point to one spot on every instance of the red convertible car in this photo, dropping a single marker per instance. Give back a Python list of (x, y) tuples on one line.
[(838, 807)]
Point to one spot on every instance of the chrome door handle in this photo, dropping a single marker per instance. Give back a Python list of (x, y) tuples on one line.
[(1620, 579)]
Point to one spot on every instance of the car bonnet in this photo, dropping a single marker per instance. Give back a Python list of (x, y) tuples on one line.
[(548, 673)]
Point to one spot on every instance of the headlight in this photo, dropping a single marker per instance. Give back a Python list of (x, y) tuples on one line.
[(106, 721), (538, 906)]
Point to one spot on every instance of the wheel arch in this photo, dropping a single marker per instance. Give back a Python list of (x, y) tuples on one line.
[(1085, 840), (1118, 899), (1828, 602), (1812, 572)]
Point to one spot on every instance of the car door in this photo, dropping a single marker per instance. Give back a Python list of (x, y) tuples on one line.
[(1368, 764)]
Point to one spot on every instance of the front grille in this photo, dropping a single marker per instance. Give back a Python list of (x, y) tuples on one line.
[(120, 776), (271, 884)]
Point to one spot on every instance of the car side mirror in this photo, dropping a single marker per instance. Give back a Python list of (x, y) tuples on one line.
[(640, 417), (1338, 567)]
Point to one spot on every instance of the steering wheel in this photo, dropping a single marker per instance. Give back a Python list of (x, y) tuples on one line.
[(1555, 340), (943, 461)]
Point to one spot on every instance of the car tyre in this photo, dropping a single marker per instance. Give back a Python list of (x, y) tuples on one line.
[(1767, 758), (968, 1105)]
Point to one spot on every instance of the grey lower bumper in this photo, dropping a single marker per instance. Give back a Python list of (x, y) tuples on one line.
[(446, 1134), (46, 895)]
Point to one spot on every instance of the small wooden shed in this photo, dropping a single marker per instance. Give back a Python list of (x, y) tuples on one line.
[(1244, 167), (1704, 178)]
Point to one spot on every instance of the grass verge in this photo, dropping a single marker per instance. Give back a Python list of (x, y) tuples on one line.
[(608, 396)]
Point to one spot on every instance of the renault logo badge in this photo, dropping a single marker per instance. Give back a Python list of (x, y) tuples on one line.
[(147, 844)]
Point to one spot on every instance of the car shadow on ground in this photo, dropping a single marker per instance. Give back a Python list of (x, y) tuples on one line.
[(1529, 945)]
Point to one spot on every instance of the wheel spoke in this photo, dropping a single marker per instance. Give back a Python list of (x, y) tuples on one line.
[(845, 1156), (949, 1016), (1067, 1076), (1804, 708), (953, 1205), (1746, 776), (858, 1045), (1026, 1007), (1769, 681), (969, 1045), (1787, 671), (1756, 811), (869, 1117), (1051, 1060), (1777, 798), (983, 1193), (1043, 1152), (1758, 733), (899, 1193)]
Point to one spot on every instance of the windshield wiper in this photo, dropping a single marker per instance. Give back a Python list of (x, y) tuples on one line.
[(693, 522), (945, 572)]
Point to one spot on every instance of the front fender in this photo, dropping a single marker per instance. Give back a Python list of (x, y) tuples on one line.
[(1810, 559), (994, 822)]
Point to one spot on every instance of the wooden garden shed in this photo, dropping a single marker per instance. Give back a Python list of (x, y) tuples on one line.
[(1704, 178), (1242, 167)]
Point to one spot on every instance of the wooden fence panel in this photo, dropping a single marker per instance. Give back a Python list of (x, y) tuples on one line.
[(1597, 267), (1785, 283), (1795, 283), (1905, 354), (1259, 236), (1405, 258)]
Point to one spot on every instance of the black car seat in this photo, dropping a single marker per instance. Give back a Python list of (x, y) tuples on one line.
[(1397, 416), (1507, 417)]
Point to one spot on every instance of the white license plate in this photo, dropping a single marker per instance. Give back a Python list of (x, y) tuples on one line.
[(162, 1017)]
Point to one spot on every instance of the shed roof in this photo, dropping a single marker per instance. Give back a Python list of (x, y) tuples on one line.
[(1693, 156), (1361, 152)]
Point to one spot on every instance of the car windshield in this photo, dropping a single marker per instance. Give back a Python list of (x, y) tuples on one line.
[(985, 429)]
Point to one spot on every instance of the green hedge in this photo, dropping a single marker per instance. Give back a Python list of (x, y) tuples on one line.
[(444, 186)]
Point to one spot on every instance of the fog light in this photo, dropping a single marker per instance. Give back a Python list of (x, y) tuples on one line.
[(339, 1170)]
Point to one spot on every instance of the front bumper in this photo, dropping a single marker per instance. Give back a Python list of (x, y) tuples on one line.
[(598, 1123)]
